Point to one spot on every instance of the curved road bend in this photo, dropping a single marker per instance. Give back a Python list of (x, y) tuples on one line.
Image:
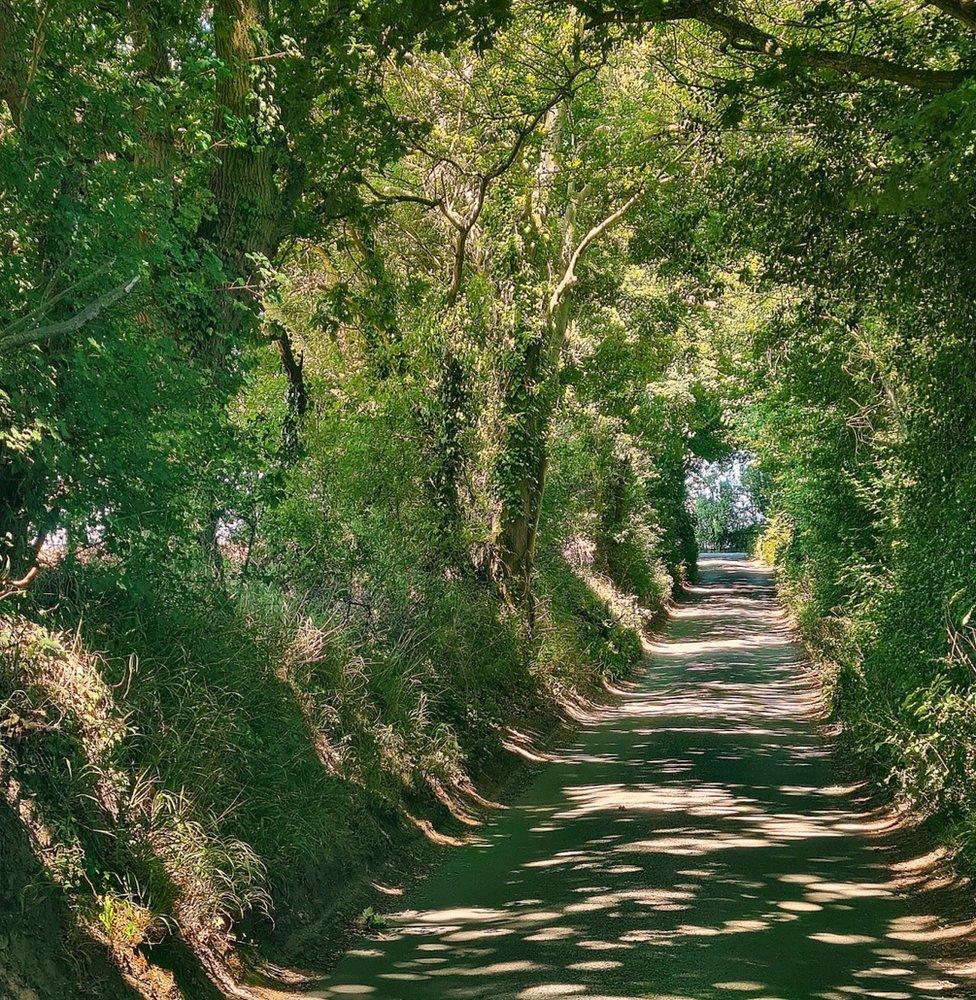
[(691, 842)]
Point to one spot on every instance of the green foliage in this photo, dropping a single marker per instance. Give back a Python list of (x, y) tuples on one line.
[(352, 365), (857, 399)]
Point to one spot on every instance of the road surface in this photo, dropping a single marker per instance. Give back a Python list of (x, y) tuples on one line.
[(692, 841)]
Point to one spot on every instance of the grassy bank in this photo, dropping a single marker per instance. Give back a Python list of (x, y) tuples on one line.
[(895, 645), (208, 779)]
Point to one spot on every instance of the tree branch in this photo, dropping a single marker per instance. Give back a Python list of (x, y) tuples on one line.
[(400, 197), (504, 164), (9, 587), (293, 366), (13, 587), (746, 37), (569, 275), (41, 334), (12, 69), (961, 10)]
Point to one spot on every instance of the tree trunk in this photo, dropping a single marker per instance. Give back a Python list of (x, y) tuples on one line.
[(13, 70), (447, 427), (245, 224), (614, 510), (530, 401), (297, 394), (242, 182), (151, 56), (523, 472)]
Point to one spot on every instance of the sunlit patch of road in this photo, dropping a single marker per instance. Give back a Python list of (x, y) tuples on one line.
[(695, 840)]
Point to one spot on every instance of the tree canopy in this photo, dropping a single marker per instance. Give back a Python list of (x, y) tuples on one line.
[(354, 360)]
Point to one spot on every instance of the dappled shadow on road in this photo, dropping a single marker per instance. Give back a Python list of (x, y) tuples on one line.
[(691, 842)]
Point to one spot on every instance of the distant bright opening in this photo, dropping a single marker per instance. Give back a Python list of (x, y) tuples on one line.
[(723, 505)]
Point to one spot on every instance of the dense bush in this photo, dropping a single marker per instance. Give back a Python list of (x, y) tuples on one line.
[(860, 406)]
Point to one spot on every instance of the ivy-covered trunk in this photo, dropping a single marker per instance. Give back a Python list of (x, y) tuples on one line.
[(242, 182), (529, 403), (615, 507), (521, 473)]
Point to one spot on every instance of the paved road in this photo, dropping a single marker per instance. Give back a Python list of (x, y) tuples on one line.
[(690, 842)]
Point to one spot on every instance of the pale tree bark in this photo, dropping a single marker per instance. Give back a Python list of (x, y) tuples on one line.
[(458, 193), (43, 333), (532, 394), (526, 406), (451, 388)]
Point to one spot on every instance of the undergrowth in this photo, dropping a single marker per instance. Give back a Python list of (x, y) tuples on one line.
[(896, 644), (216, 766)]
